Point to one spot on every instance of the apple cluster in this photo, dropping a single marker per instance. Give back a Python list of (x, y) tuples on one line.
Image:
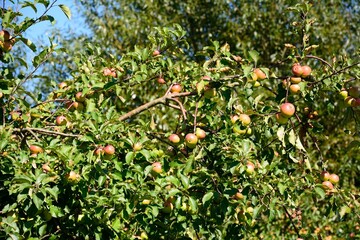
[(6, 41), (191, 139), (351, 96), (299, 73), (243, 127), (256, 75), (329, 179)]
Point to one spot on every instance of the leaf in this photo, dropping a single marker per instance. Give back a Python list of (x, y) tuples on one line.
[(28, 43), (37, 201), (282, 188), (320, 191), (281, 135), (193, 205), (65, 10), (207, 197), (129, 157), (254, 55), (184, 181), (344, 210)]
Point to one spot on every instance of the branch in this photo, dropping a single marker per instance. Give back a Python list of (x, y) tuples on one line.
[(321, 60), (43, 131), (155, 102)]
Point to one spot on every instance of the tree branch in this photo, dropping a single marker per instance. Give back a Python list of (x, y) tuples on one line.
[(43, 131)]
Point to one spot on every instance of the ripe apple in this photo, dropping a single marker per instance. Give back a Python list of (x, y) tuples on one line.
[(297, 69), (5, 43), (62, 85), (176, 88), (287, 109), (354, 92), (350, 101), (250, 167), (73, 176), (80, 97), (306, 71), (200, 133), (295, 80), (234, 118), (256, 84), (357, 102), (280, 118), (156, 52), (99, 151), (254, 77), (157, 167), (191, 140), (260, 74), (46, 168), (325, 175), (146, 202), (294, 88), (174, 138), (61, 120), (35, 149), (327, 185), (239, 196), (245, 119), (137, 146), (333, 178), (109, 150), (1, 94), (161, 80)]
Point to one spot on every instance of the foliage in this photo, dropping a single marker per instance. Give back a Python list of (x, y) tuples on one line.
[(243, 180)]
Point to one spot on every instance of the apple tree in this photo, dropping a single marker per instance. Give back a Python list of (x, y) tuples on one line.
[(152, 144)]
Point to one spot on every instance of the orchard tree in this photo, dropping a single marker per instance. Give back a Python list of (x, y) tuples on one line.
[(157, 144)]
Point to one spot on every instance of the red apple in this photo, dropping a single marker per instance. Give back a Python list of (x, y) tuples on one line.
[(161, 80), (297, 69), (250, 167), (191, 140), (176, 88), (325, 175), (295, 80), (306, 71), (280, 118), (294, 88), (109, 150), (200, 133), (46, 168), (245, 119), (260, 74), (350, 101), (287, 109), (156, 52), (234, 118), (99, 151), (35, 149), (61, 120), (333, 178), (1, 94), (174, 138), (327, 185), (80, 97), (157, 167), (239, 196), (73, 176)]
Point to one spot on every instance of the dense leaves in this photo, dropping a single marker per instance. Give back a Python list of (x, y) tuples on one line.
[(95, 160)]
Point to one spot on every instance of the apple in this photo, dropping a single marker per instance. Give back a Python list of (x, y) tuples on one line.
[(1, 94), (146, 202), (297, 69), (210, 92), (325, 175), (161, 80), (254, 77), (333, 178), (6, 42), (73, 176), (174, 138), (280, 118), (234, 118), (35, 149), (257, 84), (248, 131), (294, 88), (295, 80), (239, 130), (156, 52), (144, 236), (260, 74), (286, 83), (109, 150), (61, 120), (137, 146), (80, 97), (327, 185), (46, 168), (157, 167), (168, 207), (239, 196), (98, 151), (354, 92), (250, 167), (350, 101), (287, 109), (344, 93), (357, 102), (176, 88), (245, 119), (206, 78), (200, 133), (191, 140), (306, 71), (62, 85)]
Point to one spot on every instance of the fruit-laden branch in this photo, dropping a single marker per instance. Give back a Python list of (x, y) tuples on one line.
[(44, 131), (154, 102)]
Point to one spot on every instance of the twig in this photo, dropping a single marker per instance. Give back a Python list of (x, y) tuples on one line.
[(181, 107), (48, 101), (32, 133), (47, 132), (196, 111), (321, 60), (153, 103), (292, 223)]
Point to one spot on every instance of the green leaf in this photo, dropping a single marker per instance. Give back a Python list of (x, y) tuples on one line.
[(65, 10), (254, 55), (282, 188), (37, 201), (320, 191), (184, 180), (207, 197), (193, 205), (28, 43), (129, 157)]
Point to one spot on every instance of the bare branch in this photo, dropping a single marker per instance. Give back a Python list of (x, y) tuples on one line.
[(44, 131)]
